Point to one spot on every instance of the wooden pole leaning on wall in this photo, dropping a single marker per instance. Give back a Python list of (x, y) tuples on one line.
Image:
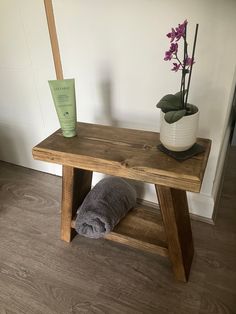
[(53, 39)]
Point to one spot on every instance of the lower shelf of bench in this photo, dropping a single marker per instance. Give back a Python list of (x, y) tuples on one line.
[(141, 228)]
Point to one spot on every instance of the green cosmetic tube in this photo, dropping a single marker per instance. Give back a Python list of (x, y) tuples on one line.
[(63, 94)]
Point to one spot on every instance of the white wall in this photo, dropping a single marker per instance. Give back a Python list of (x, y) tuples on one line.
[(114, 49)]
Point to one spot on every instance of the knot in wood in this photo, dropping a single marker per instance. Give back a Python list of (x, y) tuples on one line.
[(147, 147), (124, 163)]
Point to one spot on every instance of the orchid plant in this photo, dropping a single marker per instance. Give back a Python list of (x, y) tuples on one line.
[(176, 106)]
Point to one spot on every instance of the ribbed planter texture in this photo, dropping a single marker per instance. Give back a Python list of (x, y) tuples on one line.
[(180, 135)]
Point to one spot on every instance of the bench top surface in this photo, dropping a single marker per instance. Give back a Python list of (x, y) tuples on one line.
[(124, 152)]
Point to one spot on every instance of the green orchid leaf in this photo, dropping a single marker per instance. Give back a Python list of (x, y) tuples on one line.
[(173, 116), (169, 103), (191, 109), (179, 94)]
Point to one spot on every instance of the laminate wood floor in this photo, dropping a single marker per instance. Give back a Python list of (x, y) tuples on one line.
[(41, 274)]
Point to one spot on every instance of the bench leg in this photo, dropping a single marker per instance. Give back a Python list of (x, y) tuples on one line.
[(76, 183), (175, 214)]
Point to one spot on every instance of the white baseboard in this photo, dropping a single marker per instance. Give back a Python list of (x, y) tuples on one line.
[(221, 162), (220, 172), (200, 207)]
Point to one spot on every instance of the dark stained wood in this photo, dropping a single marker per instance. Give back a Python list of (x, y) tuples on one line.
[(174, 209), (142, 228), (76, 183), (39, 274), (125, 153)]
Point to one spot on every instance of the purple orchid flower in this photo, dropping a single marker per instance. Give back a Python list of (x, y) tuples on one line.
[(168, 55), (176, 67), (171, 35), (189, 61), (174, 48), (180, 30), (185, 64)]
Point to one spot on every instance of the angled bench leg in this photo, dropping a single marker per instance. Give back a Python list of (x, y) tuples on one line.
[(76, 183), (175, 214)]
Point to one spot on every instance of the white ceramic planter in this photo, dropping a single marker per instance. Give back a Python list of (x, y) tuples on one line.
[(181, 135)]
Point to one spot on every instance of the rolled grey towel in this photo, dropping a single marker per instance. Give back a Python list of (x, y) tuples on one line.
[(104, 206)]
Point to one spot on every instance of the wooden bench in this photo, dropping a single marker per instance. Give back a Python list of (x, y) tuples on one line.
[(130, 154)]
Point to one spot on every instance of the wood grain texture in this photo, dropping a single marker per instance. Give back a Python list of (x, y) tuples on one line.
[(40, 274), (137, 244), (131, 154), (142, 228), (123, 152), (174, 209), (76, 183), (53, 38)]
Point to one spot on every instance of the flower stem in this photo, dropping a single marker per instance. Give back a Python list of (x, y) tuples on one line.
[(176, 57), (184, 68), (191, 66)]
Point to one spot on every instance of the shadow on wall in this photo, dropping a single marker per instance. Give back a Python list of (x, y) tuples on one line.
[(106, 117), (13, 148), (106, 114)]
